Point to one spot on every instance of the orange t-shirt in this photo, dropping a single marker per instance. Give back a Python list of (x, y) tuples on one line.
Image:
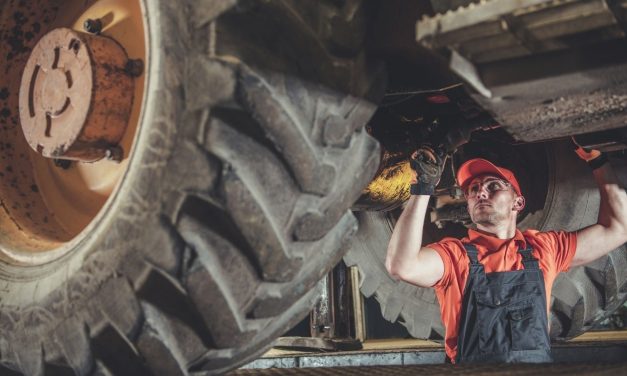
[(554, 251)]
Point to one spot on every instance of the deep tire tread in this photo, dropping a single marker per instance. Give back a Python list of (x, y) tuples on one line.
[(225, 271), (117, 354)]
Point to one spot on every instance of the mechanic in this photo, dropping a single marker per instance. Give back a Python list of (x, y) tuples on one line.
[(494, 285)]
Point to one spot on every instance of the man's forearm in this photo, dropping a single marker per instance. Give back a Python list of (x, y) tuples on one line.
[(406, 238), (610, 231)]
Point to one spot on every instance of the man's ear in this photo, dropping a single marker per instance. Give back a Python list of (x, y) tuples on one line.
[(519, 204)]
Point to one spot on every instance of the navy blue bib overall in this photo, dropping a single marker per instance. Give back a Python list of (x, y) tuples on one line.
[(503, 316)]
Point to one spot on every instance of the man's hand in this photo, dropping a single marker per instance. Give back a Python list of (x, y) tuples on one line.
[(594, 158), (427, 164)]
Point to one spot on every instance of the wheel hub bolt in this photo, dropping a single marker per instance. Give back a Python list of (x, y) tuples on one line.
[(134, 67), (114, 153), (63, 164), (93, 26), (76, 97)]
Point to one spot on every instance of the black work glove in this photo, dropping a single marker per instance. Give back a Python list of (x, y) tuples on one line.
[(593, 157), (428, 165)]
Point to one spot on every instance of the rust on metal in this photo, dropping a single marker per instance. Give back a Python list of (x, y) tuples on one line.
[(75, 97)]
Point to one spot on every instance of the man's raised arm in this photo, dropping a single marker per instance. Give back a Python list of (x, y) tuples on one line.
[(406, 259), (610, 231)]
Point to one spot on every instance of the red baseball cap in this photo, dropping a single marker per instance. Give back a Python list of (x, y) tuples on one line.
[(478, 166)]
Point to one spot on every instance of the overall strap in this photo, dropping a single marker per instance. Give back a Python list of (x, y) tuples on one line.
[(530, 262), (473, 254)]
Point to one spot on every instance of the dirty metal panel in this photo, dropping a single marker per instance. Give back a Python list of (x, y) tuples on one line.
[(430, 29), (532, 26), (545, 69), (559, 105), (265, 363), (352, 360)]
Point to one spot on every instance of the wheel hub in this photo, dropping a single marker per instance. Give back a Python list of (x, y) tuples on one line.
[(55, 93), (76, 96)]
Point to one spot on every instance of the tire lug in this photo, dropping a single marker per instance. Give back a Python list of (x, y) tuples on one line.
[(92, 26)]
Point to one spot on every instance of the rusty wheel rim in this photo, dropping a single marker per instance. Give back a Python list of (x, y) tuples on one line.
[(53, 196)]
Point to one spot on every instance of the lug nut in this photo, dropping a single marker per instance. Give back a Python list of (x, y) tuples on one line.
[(134, 67), (63, 163), (114, 153), (92, 26)]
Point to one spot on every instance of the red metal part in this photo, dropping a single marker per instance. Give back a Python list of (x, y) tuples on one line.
[(75, 96), (438, 99)]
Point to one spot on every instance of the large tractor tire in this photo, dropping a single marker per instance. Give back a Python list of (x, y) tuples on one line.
[(248, 152), (580, 298)]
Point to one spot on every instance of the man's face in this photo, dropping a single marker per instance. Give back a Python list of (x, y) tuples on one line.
[(491, 200)]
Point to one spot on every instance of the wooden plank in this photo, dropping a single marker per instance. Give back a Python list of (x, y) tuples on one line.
[(601, 336), (358, 305), (392, 344)]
